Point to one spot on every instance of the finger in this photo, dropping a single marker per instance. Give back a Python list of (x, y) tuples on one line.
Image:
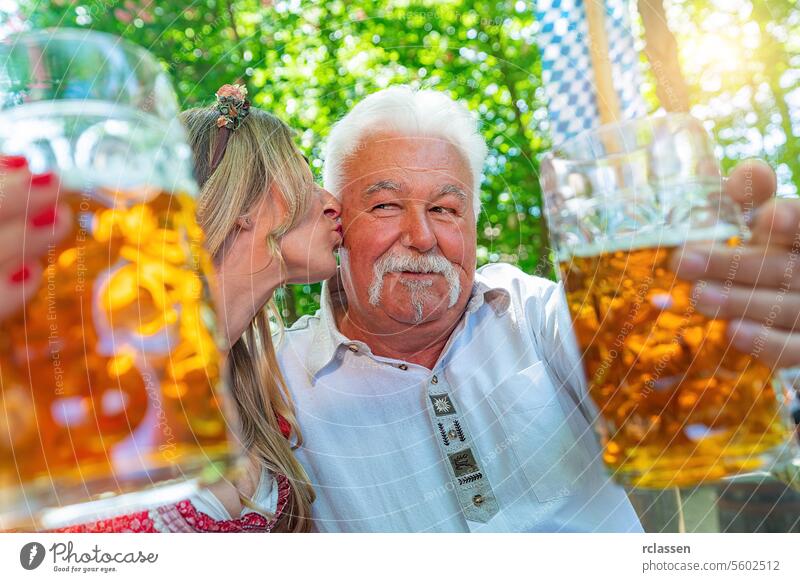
[(15, 179), (777, 223), (24, 193), (18, 284), (774, 347), (751, 183), (27, 240), (763, 266), (771, 306)]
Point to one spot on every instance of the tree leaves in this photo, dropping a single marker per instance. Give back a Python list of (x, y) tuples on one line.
[(309, 62)]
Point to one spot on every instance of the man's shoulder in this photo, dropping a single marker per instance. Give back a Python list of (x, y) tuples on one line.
[(515, 281)]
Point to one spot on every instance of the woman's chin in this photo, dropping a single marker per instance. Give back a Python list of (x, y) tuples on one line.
[(314, 274)]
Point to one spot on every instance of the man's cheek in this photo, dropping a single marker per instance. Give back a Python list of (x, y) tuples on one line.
[(353, 222), (457, 247), (468, 256), (362, 270)]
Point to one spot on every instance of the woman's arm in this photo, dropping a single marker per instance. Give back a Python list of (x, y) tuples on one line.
[(229, 493)]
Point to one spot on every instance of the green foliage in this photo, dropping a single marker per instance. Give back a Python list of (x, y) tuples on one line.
[(309, 62)]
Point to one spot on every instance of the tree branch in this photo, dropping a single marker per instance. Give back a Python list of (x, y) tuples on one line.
[(232, 17), (662, 52)]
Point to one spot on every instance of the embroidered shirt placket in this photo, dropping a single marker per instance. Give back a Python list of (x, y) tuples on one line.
[(470, 483)]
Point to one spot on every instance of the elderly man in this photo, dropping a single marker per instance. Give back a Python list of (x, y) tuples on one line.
[(434, 397)]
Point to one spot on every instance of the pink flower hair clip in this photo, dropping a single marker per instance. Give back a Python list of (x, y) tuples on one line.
[(232, 105)]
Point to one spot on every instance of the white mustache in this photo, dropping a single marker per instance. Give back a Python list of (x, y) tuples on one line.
[(428, 263)]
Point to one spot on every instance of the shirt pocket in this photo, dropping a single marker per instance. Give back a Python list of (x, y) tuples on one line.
[(547, 442)]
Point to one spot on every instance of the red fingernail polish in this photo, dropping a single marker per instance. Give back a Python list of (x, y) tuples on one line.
[(40, 180), (21, 275), (45, 218), (13, 162)]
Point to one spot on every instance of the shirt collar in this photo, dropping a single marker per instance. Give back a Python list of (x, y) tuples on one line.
[(328, 340), (484, 291)]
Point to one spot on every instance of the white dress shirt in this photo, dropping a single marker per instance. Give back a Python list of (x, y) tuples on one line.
[(371, 450)]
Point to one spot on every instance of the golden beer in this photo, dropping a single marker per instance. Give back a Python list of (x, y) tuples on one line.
[(110, 374), (111, 390), (679, 406)]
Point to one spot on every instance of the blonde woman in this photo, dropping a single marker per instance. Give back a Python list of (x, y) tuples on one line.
[(267, 224)]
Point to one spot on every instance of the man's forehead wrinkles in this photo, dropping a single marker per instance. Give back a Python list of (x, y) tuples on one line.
[(398, 174), (421, 158), (448, 169)]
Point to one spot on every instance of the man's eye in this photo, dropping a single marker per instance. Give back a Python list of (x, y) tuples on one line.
[(442, 210), (387, 206)]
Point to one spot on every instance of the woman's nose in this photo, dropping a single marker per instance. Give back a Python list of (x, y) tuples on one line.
[(331, 207)]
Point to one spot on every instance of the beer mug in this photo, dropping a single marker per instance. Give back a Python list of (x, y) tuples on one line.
[(111, 373), (677, 404)]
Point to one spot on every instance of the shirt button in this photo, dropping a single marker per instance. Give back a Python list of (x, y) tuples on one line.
[(477, 500), (403, 367), (434, 380), (353, 348)]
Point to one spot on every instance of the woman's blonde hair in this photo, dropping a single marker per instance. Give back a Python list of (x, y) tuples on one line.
[(260, 159)]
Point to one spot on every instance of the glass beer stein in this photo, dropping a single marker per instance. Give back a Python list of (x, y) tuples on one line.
[(110, 376), (678, 405)]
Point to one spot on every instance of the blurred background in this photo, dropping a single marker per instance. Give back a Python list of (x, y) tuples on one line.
[(309, 62)]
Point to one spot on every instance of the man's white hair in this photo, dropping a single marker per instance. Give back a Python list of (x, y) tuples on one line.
[(409, 113)]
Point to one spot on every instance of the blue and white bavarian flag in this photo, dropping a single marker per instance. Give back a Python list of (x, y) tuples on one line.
[(567, 65)]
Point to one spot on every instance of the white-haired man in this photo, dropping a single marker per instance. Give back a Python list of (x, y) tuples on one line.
[(431, 396)]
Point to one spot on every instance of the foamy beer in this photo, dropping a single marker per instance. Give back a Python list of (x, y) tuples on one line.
[(111, 379), (678, 405)]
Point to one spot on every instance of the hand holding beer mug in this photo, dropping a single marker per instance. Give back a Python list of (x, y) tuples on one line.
[(111, 380), (678, 405)]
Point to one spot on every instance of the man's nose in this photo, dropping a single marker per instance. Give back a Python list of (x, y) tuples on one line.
[(331, 207), (417, 232)]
